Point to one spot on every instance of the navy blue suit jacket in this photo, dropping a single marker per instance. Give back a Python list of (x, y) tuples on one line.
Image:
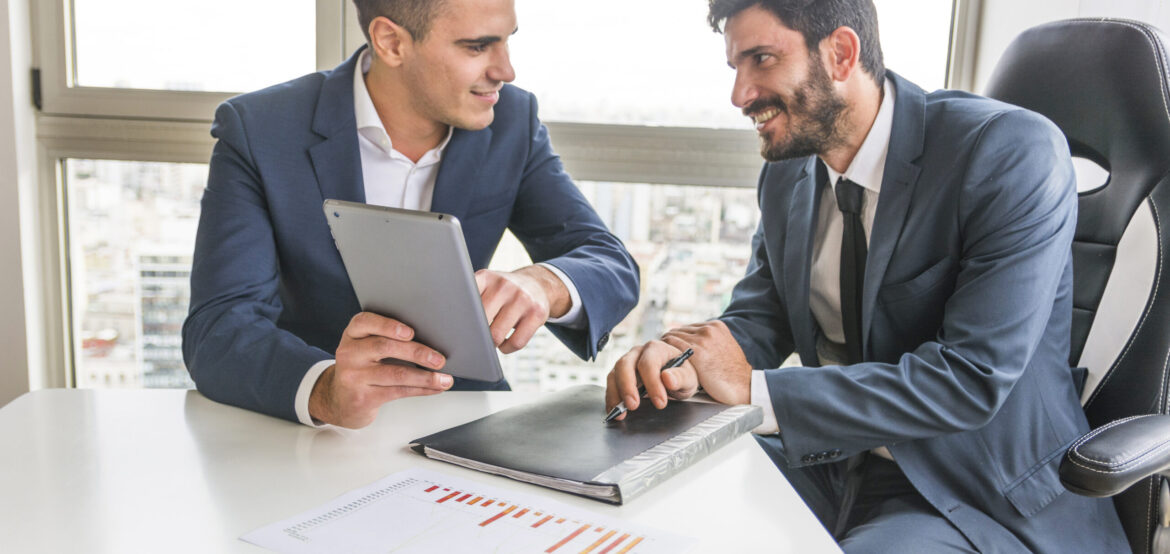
[(966, 311), (269, 294)]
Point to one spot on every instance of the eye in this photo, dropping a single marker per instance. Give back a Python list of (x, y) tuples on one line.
[(760, 59), (477, 48)]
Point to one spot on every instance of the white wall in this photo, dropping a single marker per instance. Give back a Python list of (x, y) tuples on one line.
[(1002, 20), (17, 188)]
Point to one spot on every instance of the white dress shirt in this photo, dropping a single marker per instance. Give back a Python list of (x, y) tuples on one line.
[(866, 169), (391, 179)]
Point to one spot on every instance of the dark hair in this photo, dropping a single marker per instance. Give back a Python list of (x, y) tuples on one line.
[(816, 19), (413, 15)]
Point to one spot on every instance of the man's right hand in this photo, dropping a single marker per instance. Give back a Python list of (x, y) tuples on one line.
[(351, 391)]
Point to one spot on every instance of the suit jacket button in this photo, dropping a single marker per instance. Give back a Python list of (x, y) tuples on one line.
[(836, 452), (602, 341), (808, 458), (821, 456)]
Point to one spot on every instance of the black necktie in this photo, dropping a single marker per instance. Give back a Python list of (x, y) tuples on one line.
[(850, 198)]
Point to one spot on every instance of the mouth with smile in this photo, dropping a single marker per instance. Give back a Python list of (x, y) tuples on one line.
[(761, 119), (489, 96)]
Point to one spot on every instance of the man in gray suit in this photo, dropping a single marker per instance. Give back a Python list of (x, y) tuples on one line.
[(915, 250)]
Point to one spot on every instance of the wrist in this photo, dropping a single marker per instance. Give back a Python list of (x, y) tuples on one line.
[(320, 400)]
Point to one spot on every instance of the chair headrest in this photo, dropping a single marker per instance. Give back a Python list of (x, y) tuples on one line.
[(1103, 82)]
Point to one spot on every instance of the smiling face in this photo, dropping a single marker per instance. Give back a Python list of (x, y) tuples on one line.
[(782, 87), (454, 75)]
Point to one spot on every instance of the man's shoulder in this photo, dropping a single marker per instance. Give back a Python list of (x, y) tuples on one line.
[(300, 92), (974, 117)]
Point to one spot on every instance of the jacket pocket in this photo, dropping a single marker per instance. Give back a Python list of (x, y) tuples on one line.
[(917, 285), (1038, 486)]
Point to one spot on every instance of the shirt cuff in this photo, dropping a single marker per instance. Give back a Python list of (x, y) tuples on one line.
[(761, 398), (575, 317), (306, 390)]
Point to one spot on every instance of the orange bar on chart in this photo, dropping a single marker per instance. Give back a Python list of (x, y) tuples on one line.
[(629, 546), (598, 543), (446, 498), (474, 500), (488, 503), (497, 516), (541, 522), (615, 543), (521, 512), (432, 489), (565, 540), (562, 520)]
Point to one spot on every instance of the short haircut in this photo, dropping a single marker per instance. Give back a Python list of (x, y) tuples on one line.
[(415, 16), (816, 19)]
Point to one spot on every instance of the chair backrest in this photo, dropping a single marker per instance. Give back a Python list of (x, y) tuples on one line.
[(1104, 83)]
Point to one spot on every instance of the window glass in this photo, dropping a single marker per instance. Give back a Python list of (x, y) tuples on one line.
[(657, 62), (692, 245), (211, 45), (131, 231)]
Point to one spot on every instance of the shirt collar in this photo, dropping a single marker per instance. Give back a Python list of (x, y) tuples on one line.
[(869, 164), (370, 125)]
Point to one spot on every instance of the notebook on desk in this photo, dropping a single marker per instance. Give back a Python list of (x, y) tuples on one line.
[(561, 442)]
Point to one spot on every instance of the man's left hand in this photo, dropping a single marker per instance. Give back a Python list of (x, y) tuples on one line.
[(723, 371), (519, 302)]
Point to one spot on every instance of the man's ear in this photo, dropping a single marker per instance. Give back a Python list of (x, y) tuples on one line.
[(389, 41), (842, 50)]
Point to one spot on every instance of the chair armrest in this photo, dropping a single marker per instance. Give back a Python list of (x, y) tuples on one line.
[(1111, 458)]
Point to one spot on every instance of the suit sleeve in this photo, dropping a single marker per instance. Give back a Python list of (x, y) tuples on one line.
[(1016, 213), (556, 225), (232, 346), (757, 316)]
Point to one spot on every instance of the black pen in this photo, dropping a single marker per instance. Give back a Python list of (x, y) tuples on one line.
[(674, 362)]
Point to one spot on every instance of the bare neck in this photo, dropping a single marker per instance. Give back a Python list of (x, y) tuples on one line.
[(863, 97), (411, 133)]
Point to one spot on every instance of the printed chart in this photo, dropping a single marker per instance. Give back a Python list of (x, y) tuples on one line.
[(424, 511)]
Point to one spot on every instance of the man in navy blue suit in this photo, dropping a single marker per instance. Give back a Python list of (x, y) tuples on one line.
[(421, 118), (915, 250)]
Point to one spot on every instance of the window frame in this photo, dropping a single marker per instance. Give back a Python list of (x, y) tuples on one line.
[(172, 126)]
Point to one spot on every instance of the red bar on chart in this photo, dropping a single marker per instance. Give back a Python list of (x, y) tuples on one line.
[(629, 546), (598, 542), (541, 522), (521, 512), (464, 497), (432, 489), (446, 498), (474, 500), (615, 543), (565, 540), (497, 516)]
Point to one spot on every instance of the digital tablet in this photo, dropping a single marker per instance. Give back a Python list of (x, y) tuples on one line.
[(413, 266)]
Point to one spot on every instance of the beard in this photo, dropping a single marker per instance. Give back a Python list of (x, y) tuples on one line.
[(814, 118)]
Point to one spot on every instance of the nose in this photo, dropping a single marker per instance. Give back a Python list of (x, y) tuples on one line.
[(743, 92), (501, 67)]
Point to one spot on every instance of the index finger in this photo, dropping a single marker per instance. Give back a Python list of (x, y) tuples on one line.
[(625, 379), (368, 324), (654, 355)]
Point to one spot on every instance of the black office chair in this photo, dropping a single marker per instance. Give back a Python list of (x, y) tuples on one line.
[(1104, 83)]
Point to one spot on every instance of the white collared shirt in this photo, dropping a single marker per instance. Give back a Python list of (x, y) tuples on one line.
[(867, 170), (391, 179)]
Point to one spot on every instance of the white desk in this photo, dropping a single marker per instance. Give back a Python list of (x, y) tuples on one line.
[(170, 471)]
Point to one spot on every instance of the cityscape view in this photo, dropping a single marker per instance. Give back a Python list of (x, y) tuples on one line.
[(132, 229)]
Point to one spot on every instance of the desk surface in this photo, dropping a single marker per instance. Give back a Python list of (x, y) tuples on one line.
[(168, 471)]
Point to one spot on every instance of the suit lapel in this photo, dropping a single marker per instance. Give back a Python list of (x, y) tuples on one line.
[(900, 177), (458, 173), (337, 160), (798, 254)]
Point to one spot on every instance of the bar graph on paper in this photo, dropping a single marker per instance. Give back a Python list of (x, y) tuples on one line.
[(425, 511)]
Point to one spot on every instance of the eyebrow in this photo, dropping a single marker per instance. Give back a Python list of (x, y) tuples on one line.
[(484, 40), (747, 54)]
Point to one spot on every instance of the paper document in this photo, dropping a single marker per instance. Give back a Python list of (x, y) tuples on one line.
[(424, 511)]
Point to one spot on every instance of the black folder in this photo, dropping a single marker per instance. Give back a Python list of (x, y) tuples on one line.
[(562, 442)]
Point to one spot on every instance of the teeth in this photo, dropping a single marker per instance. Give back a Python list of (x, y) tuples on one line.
[(763, 117)]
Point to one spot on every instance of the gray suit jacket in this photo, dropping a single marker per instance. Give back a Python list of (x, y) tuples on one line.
[(965, 317)]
